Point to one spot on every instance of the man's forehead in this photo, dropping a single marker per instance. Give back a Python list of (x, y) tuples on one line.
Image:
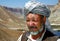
[(32, 16)]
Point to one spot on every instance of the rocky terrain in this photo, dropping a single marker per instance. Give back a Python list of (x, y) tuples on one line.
[(10, 25)]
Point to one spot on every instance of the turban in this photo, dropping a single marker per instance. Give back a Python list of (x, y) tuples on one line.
[(36, 8)]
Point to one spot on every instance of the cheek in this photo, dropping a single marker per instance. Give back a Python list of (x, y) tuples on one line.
[(38, 24)]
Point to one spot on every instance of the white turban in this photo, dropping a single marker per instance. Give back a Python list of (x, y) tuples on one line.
[(36, 7)]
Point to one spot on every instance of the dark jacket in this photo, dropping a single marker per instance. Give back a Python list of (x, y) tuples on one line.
[(48, 36)]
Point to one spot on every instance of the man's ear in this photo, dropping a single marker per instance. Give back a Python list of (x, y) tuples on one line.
[(44, 19)]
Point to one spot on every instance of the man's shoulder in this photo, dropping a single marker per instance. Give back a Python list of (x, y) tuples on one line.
[(52, 38), (49, 36), (23, 37)]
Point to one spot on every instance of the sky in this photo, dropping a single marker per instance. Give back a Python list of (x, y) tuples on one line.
[(21, 3)]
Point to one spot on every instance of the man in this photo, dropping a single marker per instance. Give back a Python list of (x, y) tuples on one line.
[(36, 15)]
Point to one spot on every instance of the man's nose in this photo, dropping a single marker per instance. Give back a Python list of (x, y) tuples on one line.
[(31, 23)]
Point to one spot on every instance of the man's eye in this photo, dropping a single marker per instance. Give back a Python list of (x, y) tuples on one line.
[(34, 20), (27, 20)]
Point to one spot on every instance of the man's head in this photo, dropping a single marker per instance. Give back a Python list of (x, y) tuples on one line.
[(35, 22), (36, 14)]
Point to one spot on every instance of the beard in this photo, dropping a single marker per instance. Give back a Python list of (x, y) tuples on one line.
[(35, 32)]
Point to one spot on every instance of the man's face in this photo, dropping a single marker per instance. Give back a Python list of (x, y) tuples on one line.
[(34, 22)]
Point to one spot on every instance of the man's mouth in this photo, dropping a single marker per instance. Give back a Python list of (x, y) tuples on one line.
[(32, 28)]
